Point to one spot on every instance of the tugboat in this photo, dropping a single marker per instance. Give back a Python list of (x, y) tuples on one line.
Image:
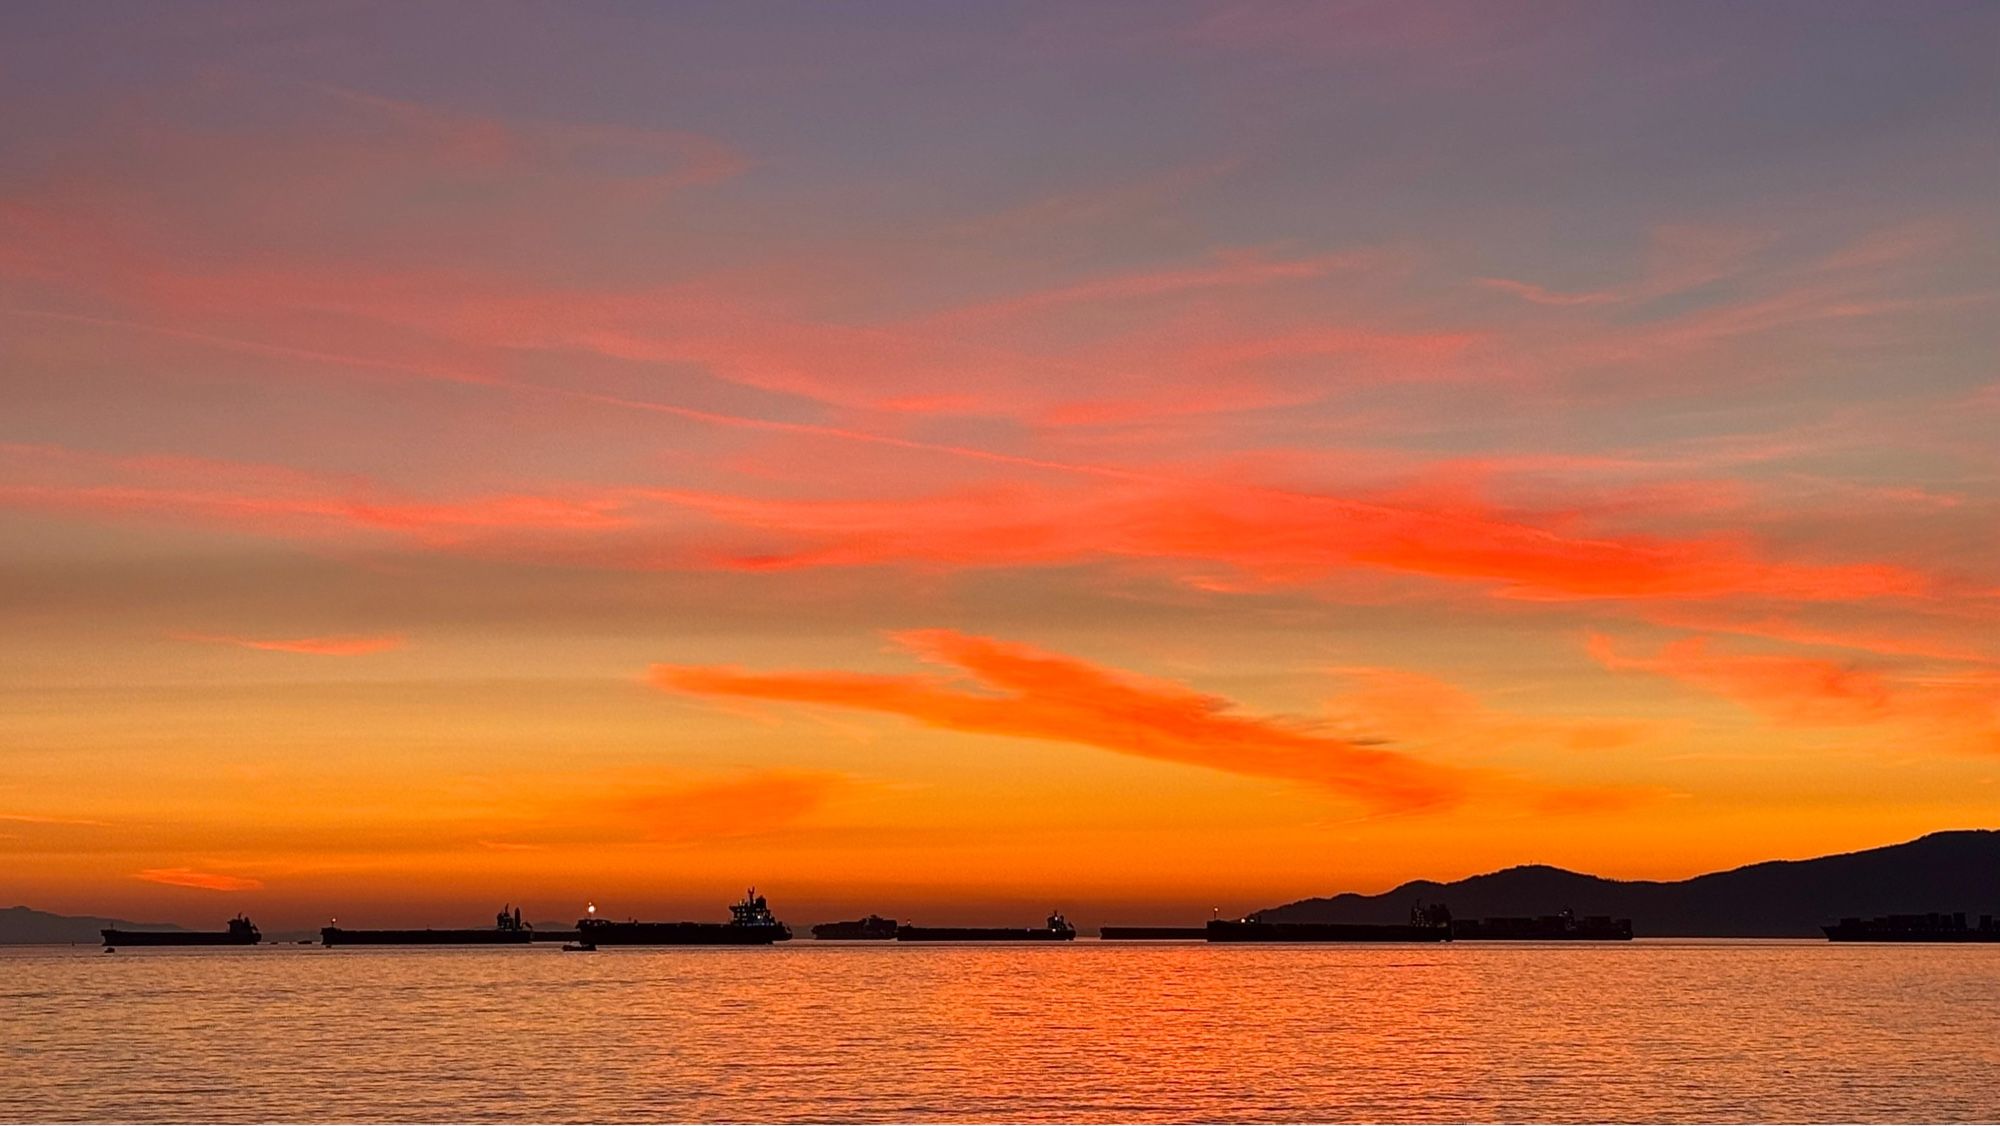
[(507, 929), (241, 932), (1056, 929), (1932, 927), (874, 927), (750, 924)]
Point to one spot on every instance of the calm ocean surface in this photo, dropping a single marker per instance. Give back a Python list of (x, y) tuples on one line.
[(1650, 1030)]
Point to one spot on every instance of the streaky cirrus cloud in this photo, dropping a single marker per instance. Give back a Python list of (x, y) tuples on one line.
[(1960, 709), (1280, 537), (1418, 705), (1024, 692), (342, 645), (1031, 693), (193, 878)]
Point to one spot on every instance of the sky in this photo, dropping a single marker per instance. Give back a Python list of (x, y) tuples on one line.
[(953, 460)]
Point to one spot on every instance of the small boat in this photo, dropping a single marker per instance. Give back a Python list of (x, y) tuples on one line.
[(577, 947)]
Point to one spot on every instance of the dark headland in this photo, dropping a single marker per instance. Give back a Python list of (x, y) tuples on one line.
[(23, 925), (1951, 871)]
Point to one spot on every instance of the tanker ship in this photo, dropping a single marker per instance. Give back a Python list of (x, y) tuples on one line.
[(507, 929), (241, 932), (750, 924), (1427, 924), (1565, 927), (1056, 929)]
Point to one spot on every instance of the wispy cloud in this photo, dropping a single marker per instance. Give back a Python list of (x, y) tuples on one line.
[(192, 878), (1016, 690), (1959, 709), (345, 645)]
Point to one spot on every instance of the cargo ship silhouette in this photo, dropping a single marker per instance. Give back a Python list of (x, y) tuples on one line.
[(1152, 934), (1544, 928), (507, 929), (1056, 929), (1933, 927), (873, 928), (1427, 924), (241, 932), (750, 924)]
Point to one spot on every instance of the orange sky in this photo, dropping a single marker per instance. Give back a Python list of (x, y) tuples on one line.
[(1136, 460)]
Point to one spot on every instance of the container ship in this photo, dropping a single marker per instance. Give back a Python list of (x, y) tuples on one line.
[(507, 929), (1152, 934), (873, 928), (1252, 930), (1933, 927), (241, 932), (751, 924), (1056, 929), (1544, 928), (1427, 924)]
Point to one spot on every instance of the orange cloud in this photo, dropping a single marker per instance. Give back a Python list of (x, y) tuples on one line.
[(1280, 537), (1898, 644), (735, 807), (190, 878), (1415, 705), (344, 646), (628, 810), (1034, 694), (1274, 536), (1963, 709)]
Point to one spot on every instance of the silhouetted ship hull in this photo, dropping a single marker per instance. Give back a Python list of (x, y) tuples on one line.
[(463, 936), (874, 928), (507, 930), (1153, 934), (1914, 928), (1546, 928), (981, 934), (1056, 929), (1226, 930), (115, 937), (241, 932), (750, 924), (604, 932)]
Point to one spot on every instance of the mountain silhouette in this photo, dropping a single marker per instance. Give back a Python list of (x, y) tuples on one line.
[(1951, 871), (21, 925)]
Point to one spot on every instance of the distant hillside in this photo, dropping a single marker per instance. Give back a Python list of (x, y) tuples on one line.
[(23, 925), (1955, 871)]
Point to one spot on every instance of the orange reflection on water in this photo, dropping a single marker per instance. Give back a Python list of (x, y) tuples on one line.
[(1089, 1031)]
